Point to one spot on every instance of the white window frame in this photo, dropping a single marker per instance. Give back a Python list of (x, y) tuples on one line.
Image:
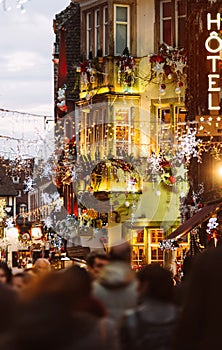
[(105, 31), (88, 33), (127, 23), (162, 19), (15, 179), (97, 31)]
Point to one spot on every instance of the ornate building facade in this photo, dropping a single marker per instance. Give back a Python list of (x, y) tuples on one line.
[(127, 95)]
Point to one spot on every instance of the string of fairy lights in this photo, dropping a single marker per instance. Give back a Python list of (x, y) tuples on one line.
[(26, 136), (19, 4)]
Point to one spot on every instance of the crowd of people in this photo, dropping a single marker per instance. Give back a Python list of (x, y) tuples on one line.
[(110, 306)]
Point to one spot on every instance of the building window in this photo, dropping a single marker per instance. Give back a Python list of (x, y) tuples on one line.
[(180, 23), (168, 117), (121, 28), (97, 32), (155, 252), (172, 22), (166, 22), (22, 208), (105, 31), (122, 132), (88, 34), (15, 179)]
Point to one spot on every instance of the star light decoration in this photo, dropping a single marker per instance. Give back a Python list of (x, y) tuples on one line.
[(168, 66), (159, 69)]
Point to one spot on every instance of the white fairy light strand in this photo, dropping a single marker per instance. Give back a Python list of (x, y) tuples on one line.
[(20, 4)]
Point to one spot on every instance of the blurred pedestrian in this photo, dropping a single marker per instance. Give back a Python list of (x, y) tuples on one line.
[(95, 263), (151, 324), (200, 322), (42, 265), (116, 285), (5, 273), (53, 315), (180, 289), (18, 281)]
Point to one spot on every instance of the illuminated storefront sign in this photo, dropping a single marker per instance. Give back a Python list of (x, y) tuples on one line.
[(213, 45)]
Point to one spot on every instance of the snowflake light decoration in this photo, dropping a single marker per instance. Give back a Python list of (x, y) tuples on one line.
[(48, 222), (212, 225), (168, 244), (47, 200), (58, 205), (29, 183), (9, 222), (52, 200), (188, 145), (47, 171)]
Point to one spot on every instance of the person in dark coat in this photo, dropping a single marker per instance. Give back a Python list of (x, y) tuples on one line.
[(200, 324), (152, 323), (180, 289)]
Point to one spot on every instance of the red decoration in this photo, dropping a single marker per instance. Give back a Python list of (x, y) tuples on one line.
[(172, 179), (63, 108)]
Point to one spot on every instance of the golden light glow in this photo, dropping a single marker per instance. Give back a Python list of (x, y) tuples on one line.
[(220, 170)]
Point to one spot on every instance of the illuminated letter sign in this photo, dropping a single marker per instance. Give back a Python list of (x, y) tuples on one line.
[(213, 77)]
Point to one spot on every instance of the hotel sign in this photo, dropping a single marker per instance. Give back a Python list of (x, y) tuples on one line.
[(213, 45)]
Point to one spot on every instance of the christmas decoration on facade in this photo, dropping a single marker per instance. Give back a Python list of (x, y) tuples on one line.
[(89, 76), (168, 244), (212, 225), (168, 66), (62, 98), (126, 71)]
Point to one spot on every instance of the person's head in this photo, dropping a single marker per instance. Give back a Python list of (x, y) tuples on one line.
[(69, 287), (155, 282), (5, 273), (42, 266), (96, 262), (64, 293), (121, 251), (18, 281)]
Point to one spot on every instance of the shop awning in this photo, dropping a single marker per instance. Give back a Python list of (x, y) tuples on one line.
[(201, 216)]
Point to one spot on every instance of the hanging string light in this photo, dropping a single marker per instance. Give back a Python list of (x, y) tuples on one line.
[(20, 4)]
